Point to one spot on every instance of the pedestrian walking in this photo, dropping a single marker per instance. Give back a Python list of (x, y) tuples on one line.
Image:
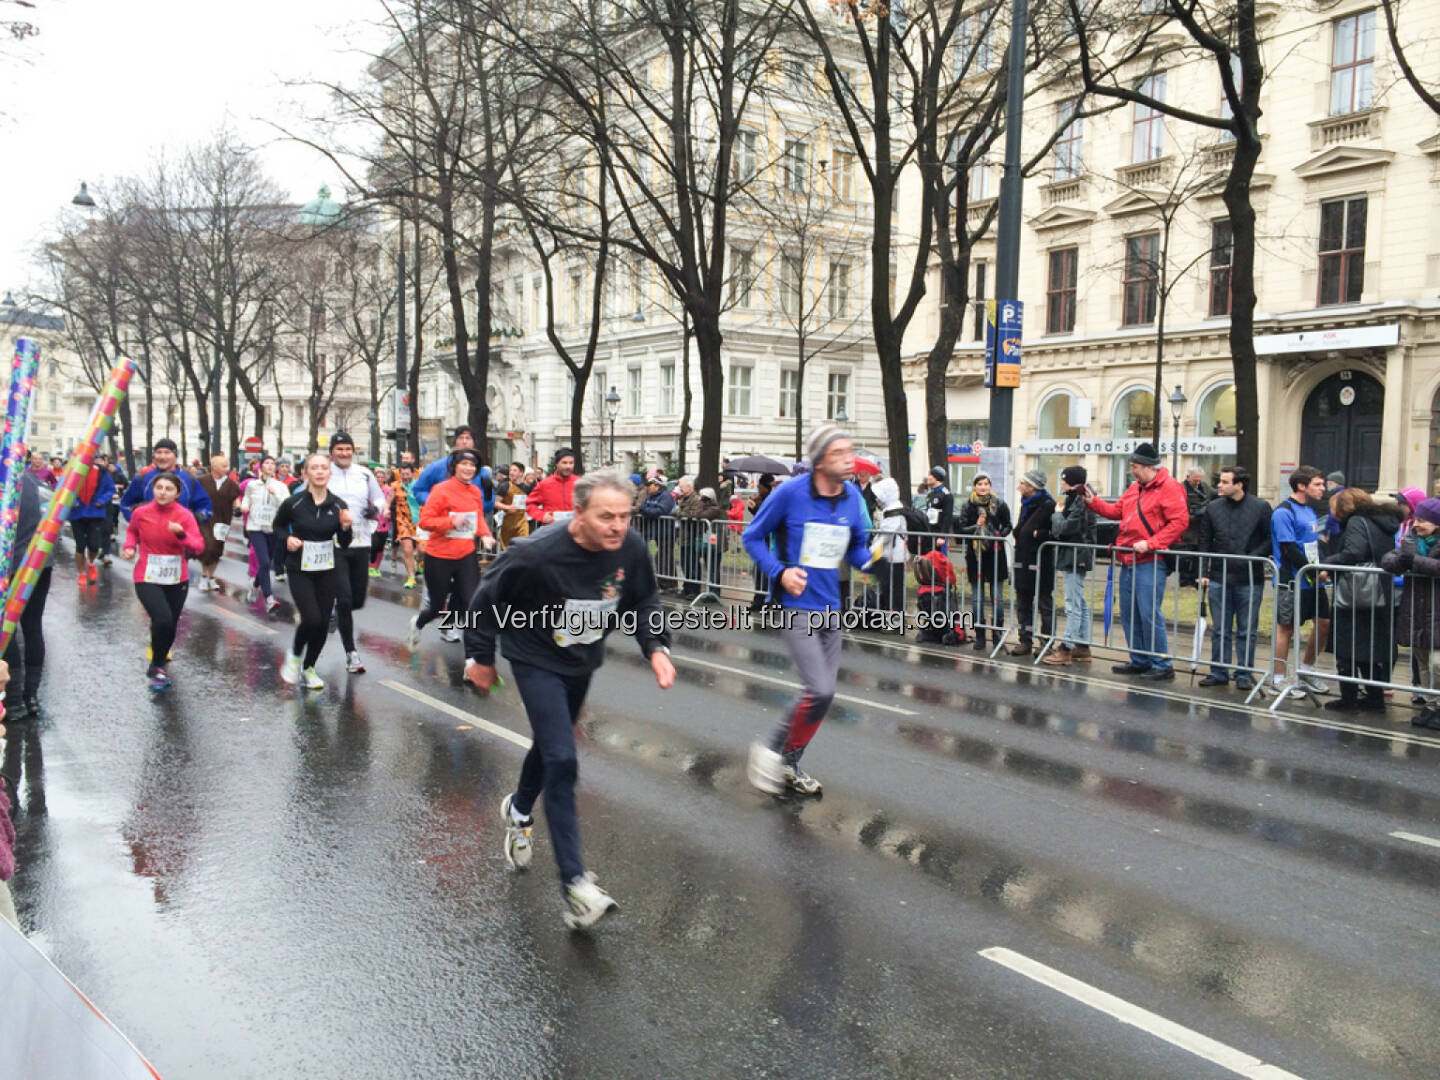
[(1034, 563), (259, 504), (356, 487), (1364, 618), (986, 517), (454, 518), (314, 524), (161, 537), (223, 493), (1234, 523), (1073, 523), (596, 571)]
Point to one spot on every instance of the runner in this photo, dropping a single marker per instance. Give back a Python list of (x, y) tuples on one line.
[(553, 499), (381, 537), (261, 502), (598, 566), (26, 652), (313, 522), (510, 498), (356, 487), (818, 522), (454, 516), (164, 535), (163, 459), (437, 472), (404, 512), (223, 493), (88, 523)]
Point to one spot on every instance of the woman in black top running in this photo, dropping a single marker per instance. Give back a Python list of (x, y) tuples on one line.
[(311, 522)]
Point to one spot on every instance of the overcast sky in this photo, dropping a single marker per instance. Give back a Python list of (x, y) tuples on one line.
[(109, 84)]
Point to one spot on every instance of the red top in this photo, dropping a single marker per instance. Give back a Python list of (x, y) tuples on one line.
[(1163, 503), (149, 533), (551, 494), (942, 573), (447, 497)]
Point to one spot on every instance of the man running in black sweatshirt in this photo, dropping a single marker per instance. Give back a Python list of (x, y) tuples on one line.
[(552, 598)]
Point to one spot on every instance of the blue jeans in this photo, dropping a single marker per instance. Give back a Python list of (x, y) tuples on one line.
[(552, 702), (1142, 613), (1235, 622), (1077, 610)]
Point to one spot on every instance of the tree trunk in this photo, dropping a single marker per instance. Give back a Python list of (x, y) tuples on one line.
[(231, 388), (374, 408), (937, 363), (800, 408), (1242, 303), (689, 394), (577, 418), (712, 387)]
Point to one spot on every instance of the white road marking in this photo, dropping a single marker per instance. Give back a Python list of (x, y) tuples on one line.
[(747, 674), (216, 609), (1416, 838), (459, 714), (1202, 1046)]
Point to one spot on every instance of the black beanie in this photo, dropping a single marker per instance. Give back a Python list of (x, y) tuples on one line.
[(938, 473), (1145, 454), (1074, 475), (460, 455)]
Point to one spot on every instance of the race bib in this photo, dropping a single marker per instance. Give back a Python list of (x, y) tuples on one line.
[(585, 621), (262, 518), (563, 515), (1312, 551), (318, 555), (932, 515), (517, 500), (361, 529), (463, 526), (162, 569), (222, 532), (824, 546)]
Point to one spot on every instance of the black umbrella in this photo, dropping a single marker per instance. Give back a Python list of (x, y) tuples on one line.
[(758, 463)]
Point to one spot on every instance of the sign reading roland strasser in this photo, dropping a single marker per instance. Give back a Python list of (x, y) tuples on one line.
[(1217, 445)]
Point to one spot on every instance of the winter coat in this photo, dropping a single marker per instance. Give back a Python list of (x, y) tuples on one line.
[(985, 561), (1228, 527), (1074, 523), (452, 496), (1161, 503), (1418, 621), (1196, 499), (1366, 536), (940, 510), (661, 504), (1032, 531), (551, 495)]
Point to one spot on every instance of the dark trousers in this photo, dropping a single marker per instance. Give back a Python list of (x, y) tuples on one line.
[(27, 646), (314, 593), (552, 702), (163, 603), (260, 543), (112, 515), (454, 580), (352, 565), (1027, 585), (891, 578)]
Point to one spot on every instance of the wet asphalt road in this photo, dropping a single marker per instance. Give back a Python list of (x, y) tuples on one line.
[(252, 884)]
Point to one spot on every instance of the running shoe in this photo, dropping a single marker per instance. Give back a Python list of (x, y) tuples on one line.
[(252, 594), (374, 571), (94, 574), (352, 663), (413, 638), (32, 705), (1314, 685), (588, 902), (800, 782), (149, 653), (765, 769), (312, 679), (270, 605), (290, 670), (82, 581), (517, 836), (107, 560), (409, 583), (159, 680), (450, 634), (280, 575)]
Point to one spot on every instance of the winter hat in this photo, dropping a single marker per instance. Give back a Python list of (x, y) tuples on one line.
[(820, 440), (167, 444), (563, 451), (938, 472), (636, 479), (657, 478), (459, 456), (1145, 454), (978, 477), (1074, 475), (887, 492), (1035, 478), (1336, 477), (1411, 497), (341, 438), (1429, 510), (707, 493)]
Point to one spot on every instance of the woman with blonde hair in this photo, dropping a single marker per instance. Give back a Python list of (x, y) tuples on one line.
[(1363, 597)]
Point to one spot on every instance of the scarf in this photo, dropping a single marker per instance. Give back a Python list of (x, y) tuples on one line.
[(1027, 502)]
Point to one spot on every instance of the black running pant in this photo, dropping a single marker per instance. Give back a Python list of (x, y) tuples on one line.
[(314, 593), (163, 603), (28, 644), (455, 579), (352, 567)]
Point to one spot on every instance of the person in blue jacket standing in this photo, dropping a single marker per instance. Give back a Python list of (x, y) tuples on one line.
[(163, 460), (818, 521)]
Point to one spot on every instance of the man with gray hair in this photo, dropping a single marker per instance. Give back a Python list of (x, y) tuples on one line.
[(552, 598)]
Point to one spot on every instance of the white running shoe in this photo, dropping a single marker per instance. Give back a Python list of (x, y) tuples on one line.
[(413, 639), (1314, 685), (801, 782), (251, 594), (313, 680), (588, 902), (450, 634), (270, 605), (517, 836), (352, 662), (765, 769), (290, 670)]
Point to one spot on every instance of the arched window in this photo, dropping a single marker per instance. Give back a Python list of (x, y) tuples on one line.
[(1053, 422), (1214, 419), (1133, 418)]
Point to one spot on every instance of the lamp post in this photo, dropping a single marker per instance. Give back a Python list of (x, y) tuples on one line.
[(83, 197), (372, 418), (1177, 407), (612, 407)]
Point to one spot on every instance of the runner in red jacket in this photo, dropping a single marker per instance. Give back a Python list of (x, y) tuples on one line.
[(556, 493)]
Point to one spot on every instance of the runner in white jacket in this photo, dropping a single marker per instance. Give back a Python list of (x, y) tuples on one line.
[(357, 488)]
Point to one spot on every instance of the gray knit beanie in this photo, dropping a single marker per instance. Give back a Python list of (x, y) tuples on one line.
[(820, 440)]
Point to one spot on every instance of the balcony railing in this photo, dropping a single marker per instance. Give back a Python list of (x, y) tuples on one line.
[(1062, 191), (1144, 173), (1345, 128)]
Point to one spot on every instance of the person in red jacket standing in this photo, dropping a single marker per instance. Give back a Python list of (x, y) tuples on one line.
[(553, 498), (454, 516), (164, 535), (1153, 513)]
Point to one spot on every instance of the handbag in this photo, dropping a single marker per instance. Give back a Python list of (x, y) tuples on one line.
[(1360, 592)]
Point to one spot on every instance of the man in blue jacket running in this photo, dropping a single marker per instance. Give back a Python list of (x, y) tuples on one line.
[(163, 459), (818, 522)]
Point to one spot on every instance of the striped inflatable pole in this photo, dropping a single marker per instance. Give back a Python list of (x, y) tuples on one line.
[(12, 447)]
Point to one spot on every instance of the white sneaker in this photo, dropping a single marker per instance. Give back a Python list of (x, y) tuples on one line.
[(251, 594), (517, 836), (270, 605), (449, 634), (352, 662), (313, 680), (290, 670), (587, 901), (765, 769), (1314, 685), (801, 782), (413, 640)]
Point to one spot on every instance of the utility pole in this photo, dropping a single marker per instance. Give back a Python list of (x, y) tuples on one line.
[(1008, 224), (402, 407)]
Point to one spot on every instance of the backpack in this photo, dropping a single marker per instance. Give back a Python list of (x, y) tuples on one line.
[(915, 522)]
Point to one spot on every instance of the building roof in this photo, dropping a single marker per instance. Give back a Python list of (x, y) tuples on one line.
[(12, 314)]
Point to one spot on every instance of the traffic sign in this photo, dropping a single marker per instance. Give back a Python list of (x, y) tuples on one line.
[(254, 444)]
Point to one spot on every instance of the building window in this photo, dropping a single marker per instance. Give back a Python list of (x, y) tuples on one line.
[(1068, 158), (839, 290), (1142, 254), (979, 187), (577, 298), (1226, 113), (795, 75), (747, 157), (1148, 139), (740, 389), (837, 396), (53, 400), (789, 392), (790, 285), (1133, 418), (793, 164), (1060, 291), (597, 394), (533, 410), (1352, 63), (843, 176), (537, 317), (1342, 251), (1222, 255), (667, 389), (634, 405), (742, 276), (517, 312), (977, 299), (975, 50)]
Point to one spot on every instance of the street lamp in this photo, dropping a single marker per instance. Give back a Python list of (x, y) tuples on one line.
[(612, 406), (1177, 406), (372, 418), (841, 417), (82, 197)]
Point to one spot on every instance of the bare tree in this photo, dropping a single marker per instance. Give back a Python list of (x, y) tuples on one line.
[(1430, 97)]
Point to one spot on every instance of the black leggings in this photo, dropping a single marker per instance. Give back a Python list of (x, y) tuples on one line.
[(163, 603), (314, 593), (452, 578), (261, 543), (352, 569), (28, 646)]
